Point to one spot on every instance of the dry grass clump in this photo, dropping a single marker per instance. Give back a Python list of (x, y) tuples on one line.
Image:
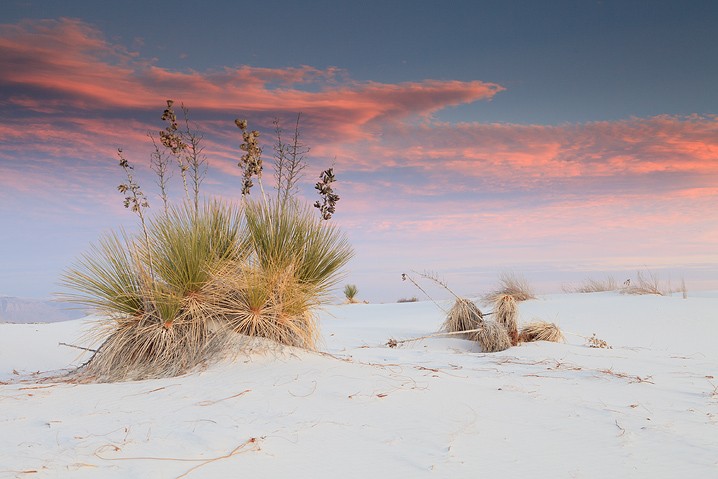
[(513, 285), (491, 336), (541, 331), (506, 312), (144, 348), (594, 286), (262, 302), (464, 315)]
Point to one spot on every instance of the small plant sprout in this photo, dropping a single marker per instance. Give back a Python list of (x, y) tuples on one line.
[(350, 291), (251, 161), (327, 205)]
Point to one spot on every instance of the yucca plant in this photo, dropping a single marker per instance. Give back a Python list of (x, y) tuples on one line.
[(350, 292), (177, 293)]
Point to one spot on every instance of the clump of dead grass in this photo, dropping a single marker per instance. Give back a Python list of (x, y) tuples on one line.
[(513, 285), (492, 337), (467, 320), (506, 313), (464, 315), (265, 302), (594, 286), (541, 331)]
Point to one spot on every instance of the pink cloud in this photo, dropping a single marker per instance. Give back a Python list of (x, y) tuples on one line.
[(75, 66)]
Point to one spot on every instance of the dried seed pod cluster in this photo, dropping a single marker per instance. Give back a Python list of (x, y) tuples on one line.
[(169, 137), (327, 206), (251, 161)]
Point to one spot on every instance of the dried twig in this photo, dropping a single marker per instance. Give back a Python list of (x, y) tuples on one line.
[(78, 347), (210, 402)]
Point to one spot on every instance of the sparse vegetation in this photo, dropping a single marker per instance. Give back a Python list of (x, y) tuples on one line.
[(199, 276), (594, 286), (466, 319), (645, 283), (513, 285), (413, 299)]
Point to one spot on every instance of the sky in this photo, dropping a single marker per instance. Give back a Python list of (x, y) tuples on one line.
[(558, 141)]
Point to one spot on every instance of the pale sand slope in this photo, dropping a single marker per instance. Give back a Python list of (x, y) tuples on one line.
[(433, 408)]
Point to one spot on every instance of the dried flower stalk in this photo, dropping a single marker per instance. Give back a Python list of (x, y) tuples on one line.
[(327, 205), (251, 161)]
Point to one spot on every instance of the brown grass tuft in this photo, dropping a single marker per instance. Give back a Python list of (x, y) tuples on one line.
[(464, 315), (513, 285), (265, 302), (492, 337), (506, 312), (541, 331), (594, 286), (145, 347)]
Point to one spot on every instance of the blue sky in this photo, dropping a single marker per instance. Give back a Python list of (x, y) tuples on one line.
[(558, 139)]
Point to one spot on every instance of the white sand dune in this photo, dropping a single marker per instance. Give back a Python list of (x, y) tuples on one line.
[(438, 407)]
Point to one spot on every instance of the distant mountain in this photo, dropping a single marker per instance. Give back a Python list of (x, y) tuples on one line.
[(26, 310)]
